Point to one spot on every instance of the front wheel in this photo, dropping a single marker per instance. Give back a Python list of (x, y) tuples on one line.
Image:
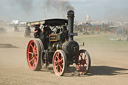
[(59, 62), (83, 62)]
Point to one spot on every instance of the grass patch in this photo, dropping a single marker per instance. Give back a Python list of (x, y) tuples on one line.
[(103, 42), (101, 39)]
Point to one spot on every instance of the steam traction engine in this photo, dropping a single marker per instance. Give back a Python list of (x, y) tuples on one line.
[(58, 48)]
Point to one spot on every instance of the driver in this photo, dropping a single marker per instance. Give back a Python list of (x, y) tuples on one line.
[(37, 31), (46, 30), (44, 36)]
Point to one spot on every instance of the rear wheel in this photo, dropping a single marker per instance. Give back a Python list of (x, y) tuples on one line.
[(83, 62), (34, 55), (59, 62)]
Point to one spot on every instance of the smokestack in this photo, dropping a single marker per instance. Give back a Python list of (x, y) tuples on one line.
[(70, 24)]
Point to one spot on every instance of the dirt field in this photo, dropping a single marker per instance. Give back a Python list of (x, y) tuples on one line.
[(109, 63)]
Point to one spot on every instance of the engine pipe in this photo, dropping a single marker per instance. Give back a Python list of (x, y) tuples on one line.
[(70, 16)]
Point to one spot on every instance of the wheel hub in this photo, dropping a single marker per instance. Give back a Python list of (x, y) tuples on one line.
[(59, 63), (56, 62), (33, 54), (82, 62)]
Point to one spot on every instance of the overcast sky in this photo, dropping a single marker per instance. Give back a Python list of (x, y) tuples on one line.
[(29, 10)]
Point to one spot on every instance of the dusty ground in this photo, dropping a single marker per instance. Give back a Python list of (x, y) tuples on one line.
[(109, 64)]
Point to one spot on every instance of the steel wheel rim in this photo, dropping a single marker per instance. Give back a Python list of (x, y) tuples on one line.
[(82, 63), (32, 54), (58, 63)]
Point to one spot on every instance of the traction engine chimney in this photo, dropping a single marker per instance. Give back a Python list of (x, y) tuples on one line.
[(70, 16)]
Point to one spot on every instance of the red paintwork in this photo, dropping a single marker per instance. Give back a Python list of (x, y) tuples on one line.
[(32, 54), (58, 62), (82, 62)]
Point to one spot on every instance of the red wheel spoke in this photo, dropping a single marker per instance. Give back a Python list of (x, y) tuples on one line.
[(31, 46), (60, 66), (30, 52), (35, 56), (61, 57), (35, 59), (58, 61), (33, 63), (35, 49), (31, 60), (61, 60), (57, 56), (36, 53)]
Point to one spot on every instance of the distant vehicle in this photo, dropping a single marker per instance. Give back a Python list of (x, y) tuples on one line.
[(22, 24), (16, 29), (17, 23), (27, 32), (2, 30)]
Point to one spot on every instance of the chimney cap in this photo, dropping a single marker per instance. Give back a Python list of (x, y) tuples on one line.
[(70, 13)]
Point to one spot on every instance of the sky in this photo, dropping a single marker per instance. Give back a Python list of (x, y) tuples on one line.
[(32, 10)]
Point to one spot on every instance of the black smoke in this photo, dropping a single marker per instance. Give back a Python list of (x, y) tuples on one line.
[(58, 5)]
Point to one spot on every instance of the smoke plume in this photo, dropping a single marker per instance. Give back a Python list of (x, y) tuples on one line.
[(25, 5), (58, 5), (28, 9)]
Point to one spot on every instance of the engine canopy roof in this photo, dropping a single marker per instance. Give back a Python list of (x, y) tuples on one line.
[(51, 22)]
